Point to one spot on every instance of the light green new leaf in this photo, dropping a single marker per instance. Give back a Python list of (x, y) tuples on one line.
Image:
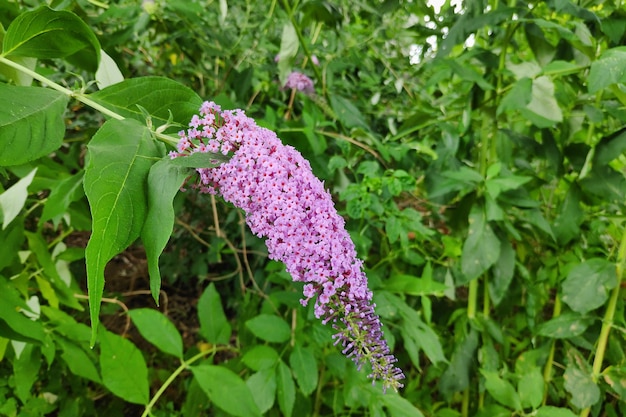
[(518, 97), (32, 126), (214, 326), (46, 33), (609, 69), (226, 390), (13, 199), (481, 248), (304, 368), (123, 367), (501, 390), (269, 328), (164, 182), (119, 159), (262, 385), (543, 109), (288, 49), (158, 95), (588, 284), (108, 73), (158, 330), (286, 389)]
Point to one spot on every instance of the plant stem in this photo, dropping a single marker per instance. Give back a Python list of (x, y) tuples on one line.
[(607, 322), (184, 365), (78, 96), (547, 370)]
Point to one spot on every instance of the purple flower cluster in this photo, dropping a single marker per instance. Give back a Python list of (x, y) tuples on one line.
[(284, 202), (300, 82)]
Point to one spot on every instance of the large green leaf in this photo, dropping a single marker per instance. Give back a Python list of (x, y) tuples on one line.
[(457, 376), (609, 69), (399, 407), (269, 328), (65, 191), (588, 283), (25, 371), (157, 329), (304, 368), (226, 389), (119, 159), (263, 388), (77, 360), (158, 95), (214, 326), (47, 33), (285, 389), (501, 390), (579, 382), (123, 367), (543, 109), (164, 182), (32, 126), (568, 324), (481, 248)]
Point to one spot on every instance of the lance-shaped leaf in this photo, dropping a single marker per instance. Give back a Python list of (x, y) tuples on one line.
[(32, 126), (47, 33), (481, 248), (120, 156)]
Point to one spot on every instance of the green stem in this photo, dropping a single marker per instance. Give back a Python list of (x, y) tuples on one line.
[(607, 322), (78, 96), (184, 365), (472, 299), (547, 370)]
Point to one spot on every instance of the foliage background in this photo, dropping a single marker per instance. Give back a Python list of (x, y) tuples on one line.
[(476, 152)]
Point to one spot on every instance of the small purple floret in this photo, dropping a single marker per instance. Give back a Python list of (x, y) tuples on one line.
[(286, 203)]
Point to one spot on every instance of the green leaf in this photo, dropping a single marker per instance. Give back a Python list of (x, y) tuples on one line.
[(497, 185), (164, 182), (198, 160), (411, 285), (549, 411), (399, 407), (610, 147), (269, 328), (503, 272), (588, 283), (123, 367), (45, 33), (214, 326), (349, 115), (543, 110), (304, 367), (158, 330), (501, 390), (288, 49), (119, 159), (580, 384), (260, 357), (457, 376), (481, 248), (530, 388), (13, 199), (542, 49), (565, 326), (567, 223), (13, 324), (63, 291), (609, 69), (32, 126), (25, 371), (64, 193), (77, 360), (518, 97), (108, 73), (158, 95), (12, 239), (285, 389), (262, 385), (226, 390), (418, 335), (615, 377)]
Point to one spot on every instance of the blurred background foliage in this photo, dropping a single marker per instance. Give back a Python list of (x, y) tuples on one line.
[(477, 152)]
